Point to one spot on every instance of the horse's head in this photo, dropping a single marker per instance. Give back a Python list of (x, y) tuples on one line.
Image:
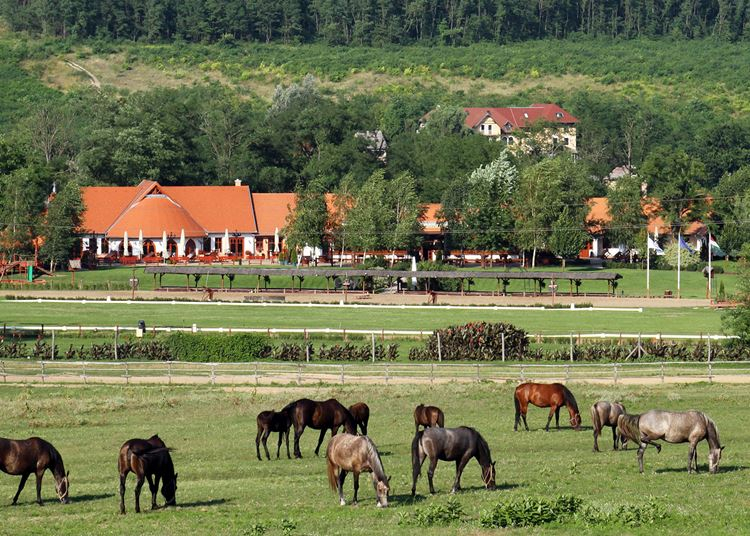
[(714, 457), (575, 421), (488, 476), (169, 491), (382, 488), (62, 486)]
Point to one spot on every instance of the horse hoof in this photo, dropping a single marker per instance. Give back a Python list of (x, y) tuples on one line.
[(342, 502)]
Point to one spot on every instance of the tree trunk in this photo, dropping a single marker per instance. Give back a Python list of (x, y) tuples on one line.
[(533, 258)]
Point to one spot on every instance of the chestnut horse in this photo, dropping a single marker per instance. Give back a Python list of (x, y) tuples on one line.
[(356, 454), (323, 416), (34, 455), (361, 413), (546, 395), (428, 416), (272, 421), (603, 414), (147, 459)]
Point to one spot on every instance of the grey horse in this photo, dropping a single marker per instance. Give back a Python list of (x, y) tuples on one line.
[(603, 414), (673, 427)]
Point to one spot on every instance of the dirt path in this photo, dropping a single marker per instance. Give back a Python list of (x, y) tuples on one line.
[(94, 80)]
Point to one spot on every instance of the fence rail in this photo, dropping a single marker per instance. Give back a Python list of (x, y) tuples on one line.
[(265, 373)]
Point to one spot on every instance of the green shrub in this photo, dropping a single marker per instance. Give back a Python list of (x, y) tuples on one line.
[(476, 340), (218, 348), (529, 512), (435, 514)]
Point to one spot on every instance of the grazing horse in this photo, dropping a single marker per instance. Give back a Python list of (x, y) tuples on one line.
[(272, 421), (673, 427), (603, 414), (323, 416), (546, 395), (147, 459), (361, 413), (34, 455), (451, 444), (357, 454), (428, 416)]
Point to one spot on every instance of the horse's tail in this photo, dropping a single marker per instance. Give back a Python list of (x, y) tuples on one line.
[(416, 446), (596, 421), (333, 474), (627, 425), (517, 403)]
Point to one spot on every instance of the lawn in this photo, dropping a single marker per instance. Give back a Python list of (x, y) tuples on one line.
[(217, 314), (224, 489), (633, 282)]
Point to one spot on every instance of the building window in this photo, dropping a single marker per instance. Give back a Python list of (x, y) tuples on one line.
[(559, 115), (510, 140), (217, 244), (555, 140), (489, 128), (189, 247), (148, 248), (481, 128), (235, 245), (566, 141)]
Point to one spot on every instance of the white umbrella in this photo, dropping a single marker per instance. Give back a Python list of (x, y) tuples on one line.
[(125, 244), (414, 269), (225, 242), (164, 253), (181, 245), (140, 241), (276, 240)]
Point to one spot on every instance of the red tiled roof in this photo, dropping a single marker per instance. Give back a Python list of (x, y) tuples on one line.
[(217, 208), (599, 217), (519, 117), (154, 215), (271, 211), (430, 221)]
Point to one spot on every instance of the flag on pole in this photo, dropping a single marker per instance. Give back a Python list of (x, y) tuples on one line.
[(684, 245), (654, 245), (714, 247)]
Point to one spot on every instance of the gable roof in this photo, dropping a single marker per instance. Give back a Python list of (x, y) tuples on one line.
[(519, 117), (599, 217), (271, 210)]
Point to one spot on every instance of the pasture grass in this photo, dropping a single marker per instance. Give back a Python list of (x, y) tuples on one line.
[(224, 489), (556, 321)]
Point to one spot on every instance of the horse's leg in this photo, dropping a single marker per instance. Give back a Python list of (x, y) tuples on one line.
[(320, 440), (557, 417), (264, 439), (257, 442), (518, 417), (286, 436), (138, 486), (24, 478), (342, 477), (39, 475), (691, 455), (614, 437), (122, 492), (460, 464), (355, 476), (278, 447), (641, 450), (154, 488), (431, 472), (416, 469), (297, 434), (549, 417)]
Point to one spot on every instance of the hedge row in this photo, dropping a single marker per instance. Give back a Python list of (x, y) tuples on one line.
[(474, 341)]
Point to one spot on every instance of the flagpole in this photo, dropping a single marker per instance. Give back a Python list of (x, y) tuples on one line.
[(709, 265), (648, 264), (679, 259)]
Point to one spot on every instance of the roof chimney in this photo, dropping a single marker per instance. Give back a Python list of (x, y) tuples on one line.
[(238, 182)]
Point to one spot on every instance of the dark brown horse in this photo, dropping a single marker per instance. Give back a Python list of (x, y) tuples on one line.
[(546, 395), (361, 413), (323, 416), (147, 459), (428, 416), (603, 414), (34, 455), (272, 421)]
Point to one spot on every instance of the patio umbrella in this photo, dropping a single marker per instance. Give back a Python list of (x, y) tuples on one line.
[(225, 242), (125, 244), (414, 269), (164, 253), (276, 240), (140, 241), (181, 245)]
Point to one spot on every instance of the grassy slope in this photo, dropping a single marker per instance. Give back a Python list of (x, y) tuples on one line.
[(224, 489), (683, 320)]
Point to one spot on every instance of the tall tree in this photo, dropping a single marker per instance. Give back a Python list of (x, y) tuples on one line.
[(307, 223), (62, 225), (627, 217), (402, 226)]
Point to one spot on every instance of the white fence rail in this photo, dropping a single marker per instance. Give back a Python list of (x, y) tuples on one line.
[(264, 373)]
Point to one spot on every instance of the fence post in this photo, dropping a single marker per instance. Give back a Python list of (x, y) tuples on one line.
[(614, 368), (432, 373), (213, 374), (662, 372), (373, 348), (53, 345), (169, 371), (84, 373), (709, 348), (386, 374), (256, 372), (523, 374), (440, 348), (502, 341), (117, 332), (2, 370), (639, 345), (42, 362), (307, 352), (299, 373), (710, 363), (342, 374), (478, 378), (571, 346), (567, 373), (127, 373)]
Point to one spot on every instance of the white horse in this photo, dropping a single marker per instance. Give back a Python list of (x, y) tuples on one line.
[(347, 452)]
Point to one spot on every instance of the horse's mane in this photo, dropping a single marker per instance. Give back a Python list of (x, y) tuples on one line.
[(570, 399), (628, 427), (288, 407), (374, 456), (713, 432), (483, 448)]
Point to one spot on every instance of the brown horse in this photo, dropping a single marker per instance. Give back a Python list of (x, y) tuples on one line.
[(603, 414), (546, 395), (361, 413), (356, 454), (428, 416), (323, 416), (34, 455), (147, 459), (272, 421)]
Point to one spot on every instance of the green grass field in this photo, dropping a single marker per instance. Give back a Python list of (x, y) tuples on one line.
[(669, 320), (633, 282), (224, 489)]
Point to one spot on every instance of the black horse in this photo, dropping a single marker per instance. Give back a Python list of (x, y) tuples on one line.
[(148, 459), (451, 444), (323, 416), (34, 455), (272, 421)]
